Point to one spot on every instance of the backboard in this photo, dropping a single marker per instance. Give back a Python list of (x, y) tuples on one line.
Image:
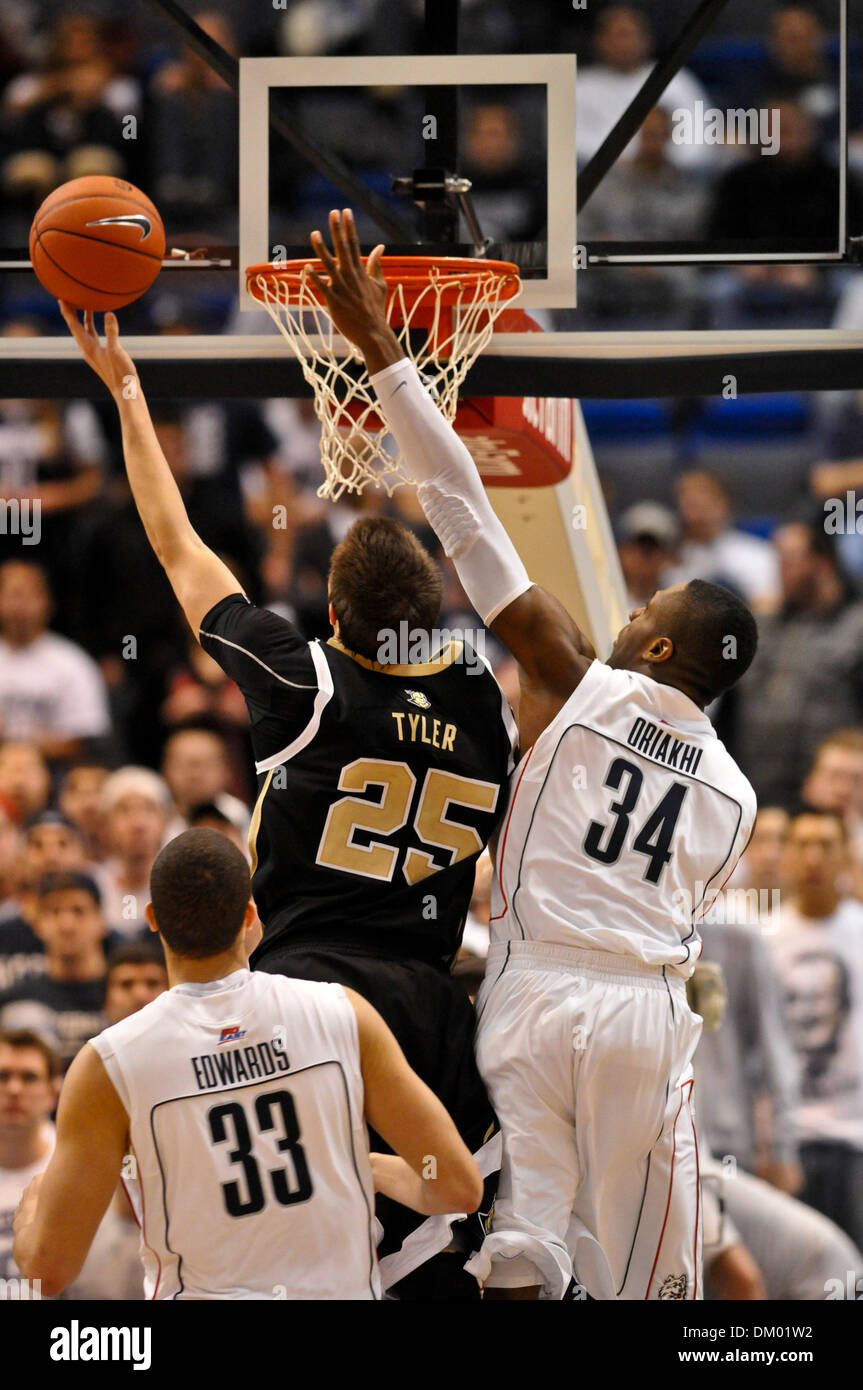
[(547, 80)]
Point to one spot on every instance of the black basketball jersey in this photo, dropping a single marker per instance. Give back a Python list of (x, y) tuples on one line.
[(378, 787)]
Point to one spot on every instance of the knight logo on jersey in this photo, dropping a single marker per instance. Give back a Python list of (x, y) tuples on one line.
[(416, 697), (232, 1033)]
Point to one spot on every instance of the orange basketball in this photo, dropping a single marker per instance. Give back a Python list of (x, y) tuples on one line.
[(97, 242)]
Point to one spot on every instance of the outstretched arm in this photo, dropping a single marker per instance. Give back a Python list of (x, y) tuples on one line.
[(197, 575), (432, 1170), (554, 654)]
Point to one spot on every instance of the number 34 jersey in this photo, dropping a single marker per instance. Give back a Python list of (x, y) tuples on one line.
[(249, 1168), (625, 819)]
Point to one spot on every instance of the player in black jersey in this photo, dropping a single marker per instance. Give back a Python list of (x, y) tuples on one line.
[(379, 784)]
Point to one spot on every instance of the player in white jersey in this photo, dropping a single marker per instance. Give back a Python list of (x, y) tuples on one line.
[(626, 814), (241, 1099)]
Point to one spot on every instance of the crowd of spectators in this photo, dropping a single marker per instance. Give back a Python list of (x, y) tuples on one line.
[(97, 90), (116, 731)]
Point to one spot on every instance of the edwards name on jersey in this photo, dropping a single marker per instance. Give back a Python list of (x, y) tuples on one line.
[(377, 786)]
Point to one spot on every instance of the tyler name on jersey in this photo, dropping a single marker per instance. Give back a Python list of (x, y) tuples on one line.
[(657, 743), (214, 1069), (420, 728)]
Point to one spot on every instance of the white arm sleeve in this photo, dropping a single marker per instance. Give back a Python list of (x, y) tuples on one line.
[(451, 492)]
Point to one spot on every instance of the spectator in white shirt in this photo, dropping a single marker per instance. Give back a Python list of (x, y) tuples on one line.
[(622, 46), (714, 549), (819, 952), (137, 805), (51, 691)]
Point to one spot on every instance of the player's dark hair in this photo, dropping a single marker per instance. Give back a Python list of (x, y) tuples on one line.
[(717, 631), (19, 1038), (199, 886), (381, 576)]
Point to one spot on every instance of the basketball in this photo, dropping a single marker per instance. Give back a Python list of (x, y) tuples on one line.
[(97, 242)]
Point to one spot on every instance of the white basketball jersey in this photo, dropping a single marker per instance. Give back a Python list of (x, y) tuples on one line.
[(245, 1102), (624, 820)]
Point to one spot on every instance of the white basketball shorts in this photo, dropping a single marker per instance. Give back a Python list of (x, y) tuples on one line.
[(588, 1061)]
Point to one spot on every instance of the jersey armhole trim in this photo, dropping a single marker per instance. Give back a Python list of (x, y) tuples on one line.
[(114, 1073), (507, 717), (322, 699), (214, 637)]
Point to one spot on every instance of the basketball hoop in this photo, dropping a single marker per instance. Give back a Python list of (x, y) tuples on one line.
[(455, 301)]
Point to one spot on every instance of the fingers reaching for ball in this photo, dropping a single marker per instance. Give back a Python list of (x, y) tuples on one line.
[(109, 360)]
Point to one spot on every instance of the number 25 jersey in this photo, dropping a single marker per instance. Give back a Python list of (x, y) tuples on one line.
[(245, 1102), (378, 786), (625, 819)]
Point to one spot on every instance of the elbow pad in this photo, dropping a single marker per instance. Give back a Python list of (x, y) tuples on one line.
[(451, 492)]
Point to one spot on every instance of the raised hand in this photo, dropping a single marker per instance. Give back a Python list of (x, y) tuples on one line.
[(355, 294), (109, 360)]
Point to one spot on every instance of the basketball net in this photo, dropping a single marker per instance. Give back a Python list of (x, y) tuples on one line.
[(455, 303)]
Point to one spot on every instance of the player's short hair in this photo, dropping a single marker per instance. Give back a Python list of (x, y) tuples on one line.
[(20, 1038), (719, 631), (199, 886), (381, 576)]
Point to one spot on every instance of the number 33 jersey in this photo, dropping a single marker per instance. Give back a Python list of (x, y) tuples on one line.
[(249, 1168), (625, 819)]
